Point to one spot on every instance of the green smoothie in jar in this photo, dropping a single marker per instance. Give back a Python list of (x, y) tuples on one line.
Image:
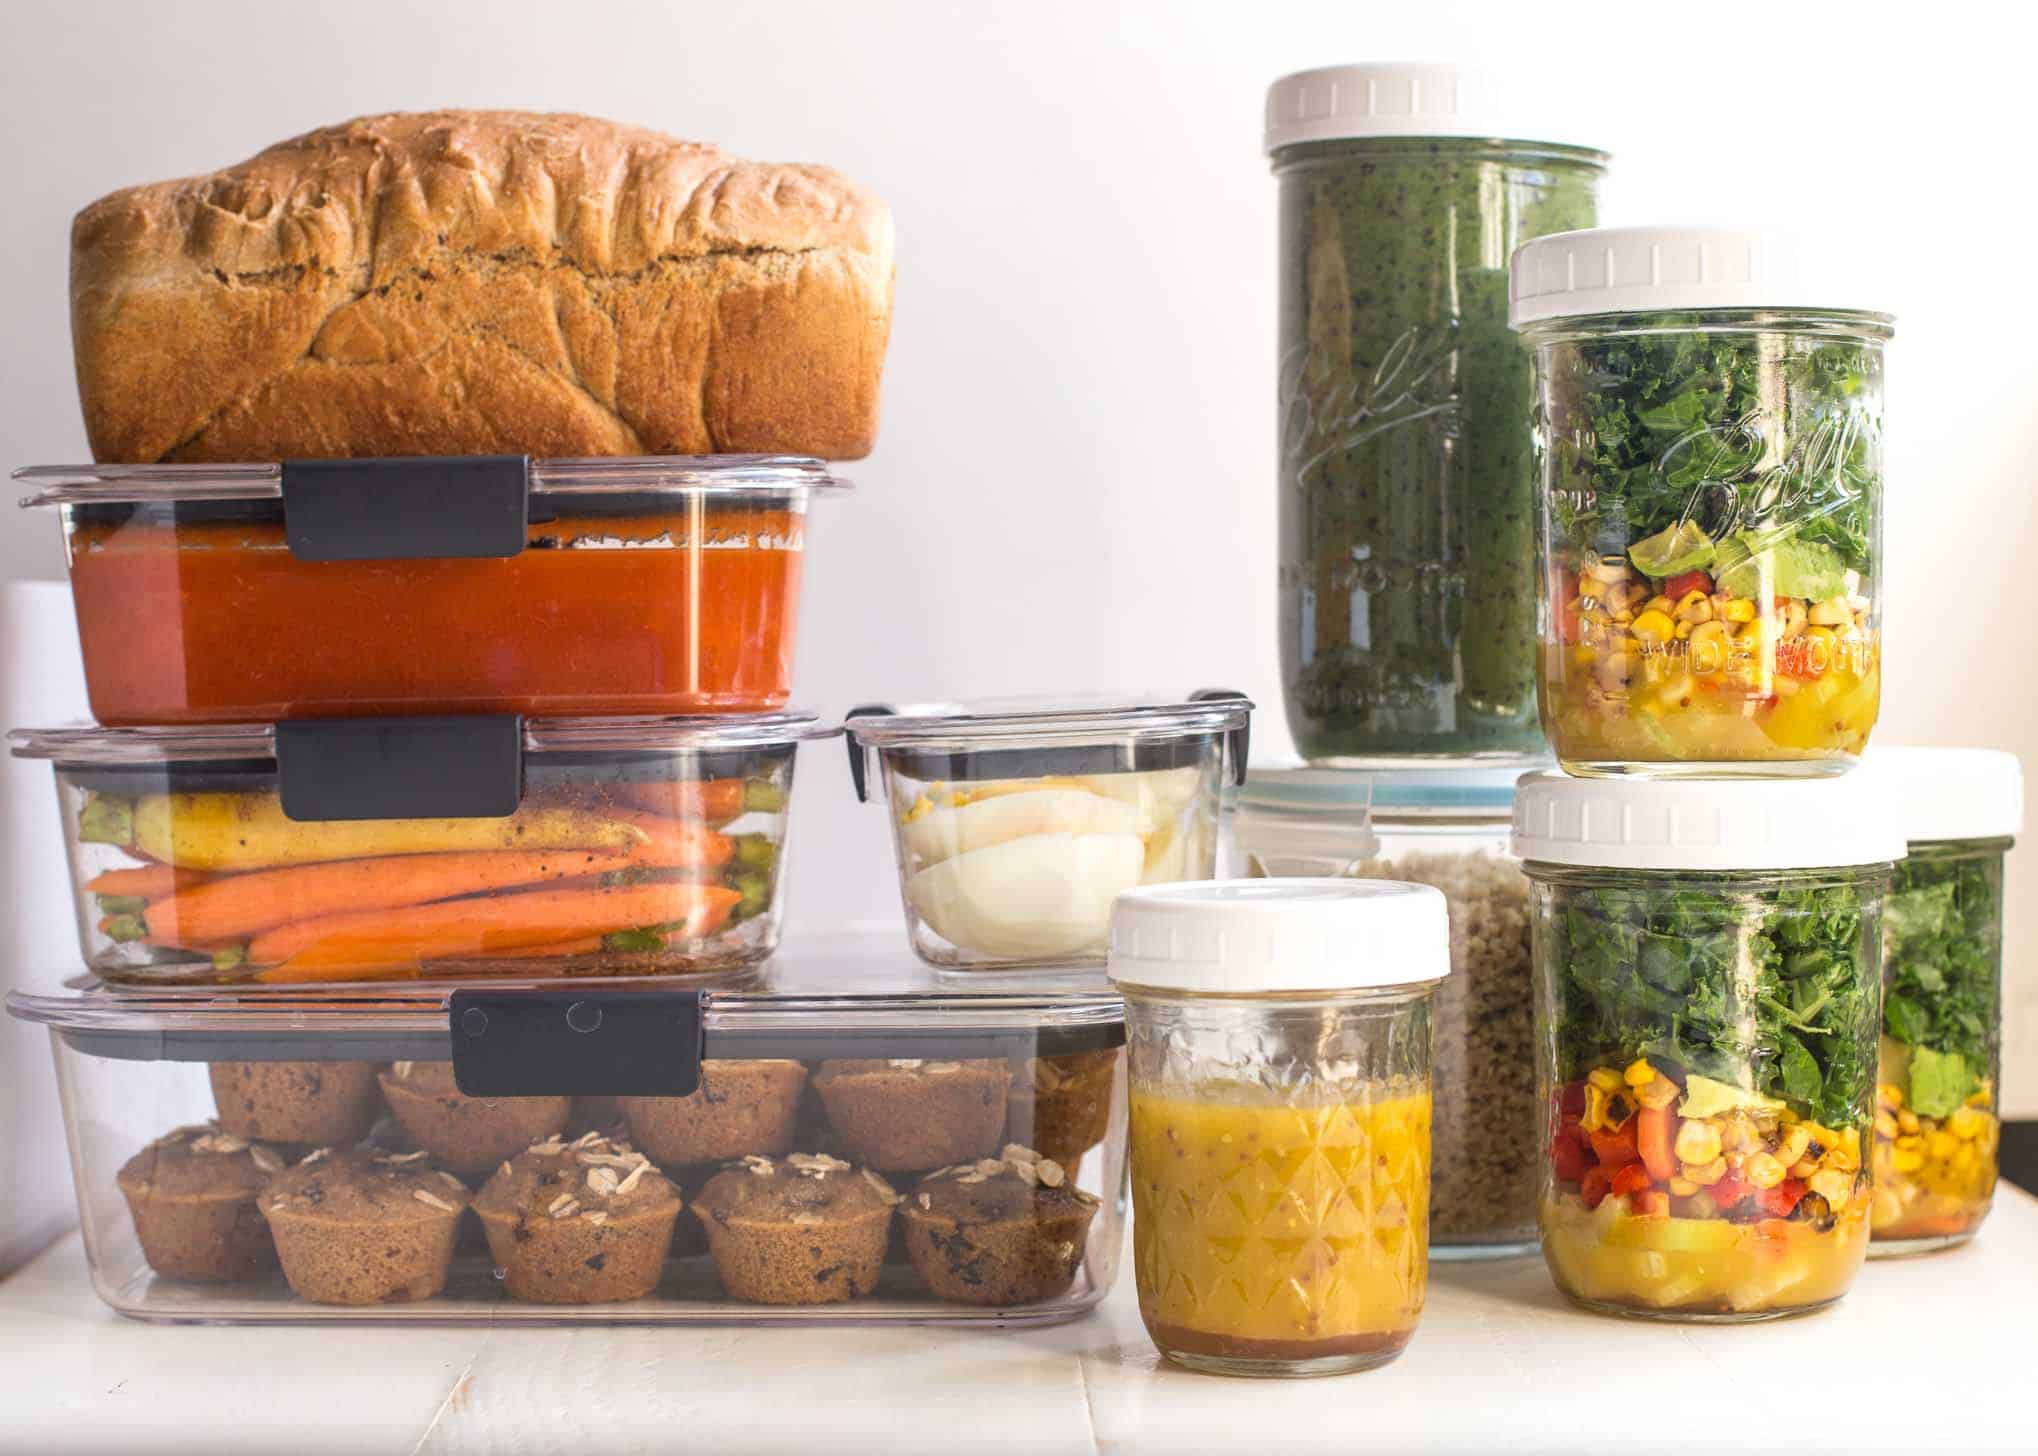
[(1408, 579)]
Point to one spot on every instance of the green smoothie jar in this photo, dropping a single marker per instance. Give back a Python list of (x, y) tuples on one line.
[(1407, 579)]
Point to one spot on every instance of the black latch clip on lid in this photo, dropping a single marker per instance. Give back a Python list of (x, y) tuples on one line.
[(858, 765), (468, 766), (576, 1043), (406, 507)]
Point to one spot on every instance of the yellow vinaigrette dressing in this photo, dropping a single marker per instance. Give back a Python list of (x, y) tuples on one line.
[(1269, 1231)]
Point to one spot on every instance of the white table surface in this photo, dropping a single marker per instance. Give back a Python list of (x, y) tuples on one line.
[(1938, 1352)]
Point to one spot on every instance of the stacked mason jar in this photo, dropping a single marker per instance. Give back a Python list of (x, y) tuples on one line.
[(1612, 497)]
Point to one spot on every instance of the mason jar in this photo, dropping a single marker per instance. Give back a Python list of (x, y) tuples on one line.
[(1278, 1041), (1407, 584), (1708, 967), (1448, 828), (1937, 1120), (1708, 440)]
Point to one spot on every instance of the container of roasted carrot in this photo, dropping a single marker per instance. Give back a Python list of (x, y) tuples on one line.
[(243, 593), (380, 849)]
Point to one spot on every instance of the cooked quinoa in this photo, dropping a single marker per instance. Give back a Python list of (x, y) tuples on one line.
[(1483, 1168)]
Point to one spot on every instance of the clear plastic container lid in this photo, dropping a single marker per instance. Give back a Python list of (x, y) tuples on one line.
[(834, 997), (1033, 737), (248, 743), (624, 475)]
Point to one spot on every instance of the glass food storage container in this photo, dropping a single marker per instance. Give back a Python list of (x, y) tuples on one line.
[(1407, 578), (1448, 828), (1708, 434), (837, 1141), (1937, 1121), (367, 849), (244, 593), (1708, 975), (1278, 1043), (1017, 822)]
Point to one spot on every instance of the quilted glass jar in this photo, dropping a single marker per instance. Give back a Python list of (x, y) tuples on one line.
[(1280, 1110)]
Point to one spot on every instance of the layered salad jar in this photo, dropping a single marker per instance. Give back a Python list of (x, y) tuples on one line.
[(1278, 1039), (1708, 967), (1939, 1076), (1708, 439), (1407, 587)]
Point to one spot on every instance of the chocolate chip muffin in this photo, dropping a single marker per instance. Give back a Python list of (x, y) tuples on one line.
[(192, 1195), (584, 1222), (739, 1108), (909, 1116), (301, 1104), (1061, 1106), (804, 1229), (466, 1134), (1003, 1230), (358, 1226)]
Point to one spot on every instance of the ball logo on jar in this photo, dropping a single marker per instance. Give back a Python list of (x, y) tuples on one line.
[(1328, 407)]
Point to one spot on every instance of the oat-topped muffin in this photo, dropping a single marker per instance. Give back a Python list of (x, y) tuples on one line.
[(466, 1134), (192, 1195), (583, 1222), (739, 1108), (360, 1226), (304, 1104), (803, 1229), (1003, 1230), (1061, 1106), (909, 1116)]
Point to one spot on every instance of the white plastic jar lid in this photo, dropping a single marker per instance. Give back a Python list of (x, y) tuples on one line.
[(1937, 794), (1248, 937), (1404, 99), (1652, 269), (1703, 824)]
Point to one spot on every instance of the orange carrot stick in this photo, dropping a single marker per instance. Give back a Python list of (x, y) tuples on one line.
[(491, 924), (710, 801), (239, 906), (145, 882), (582, 945), (675, 842)]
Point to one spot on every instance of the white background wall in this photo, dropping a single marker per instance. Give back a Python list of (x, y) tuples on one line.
[(1074, 485)]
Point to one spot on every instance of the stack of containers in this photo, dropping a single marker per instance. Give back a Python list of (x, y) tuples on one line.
[(429, 849), (1627, 482), (434, 859)]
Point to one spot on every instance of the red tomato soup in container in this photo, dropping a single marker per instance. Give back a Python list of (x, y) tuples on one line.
[(246, 593)]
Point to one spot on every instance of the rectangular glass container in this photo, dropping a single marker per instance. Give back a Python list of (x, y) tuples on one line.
[(979, 1135)]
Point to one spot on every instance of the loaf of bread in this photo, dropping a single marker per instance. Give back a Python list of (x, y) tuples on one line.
[(480, 282)]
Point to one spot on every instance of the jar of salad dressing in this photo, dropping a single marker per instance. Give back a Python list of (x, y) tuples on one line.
[(1278, 1034)]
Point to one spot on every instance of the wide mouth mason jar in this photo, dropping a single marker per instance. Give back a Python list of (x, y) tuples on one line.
[(1709, 461), (1937, 1120), (1708, 967), (1450, 828), (1278, 1042), (1407, 585)]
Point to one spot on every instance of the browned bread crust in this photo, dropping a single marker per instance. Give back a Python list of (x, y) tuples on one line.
[(475, 282)]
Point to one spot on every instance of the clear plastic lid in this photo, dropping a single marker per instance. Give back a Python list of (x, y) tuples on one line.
[(840, 996), (1038, 736), (89, 744), (621, 475), (1426, 792)]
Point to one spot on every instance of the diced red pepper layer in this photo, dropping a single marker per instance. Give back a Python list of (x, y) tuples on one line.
[(1568, 1157), (1594, 1186), (1631, 1178), (1614, 1147), (1680, 586), (1780, 1201), (1650, 1203)]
